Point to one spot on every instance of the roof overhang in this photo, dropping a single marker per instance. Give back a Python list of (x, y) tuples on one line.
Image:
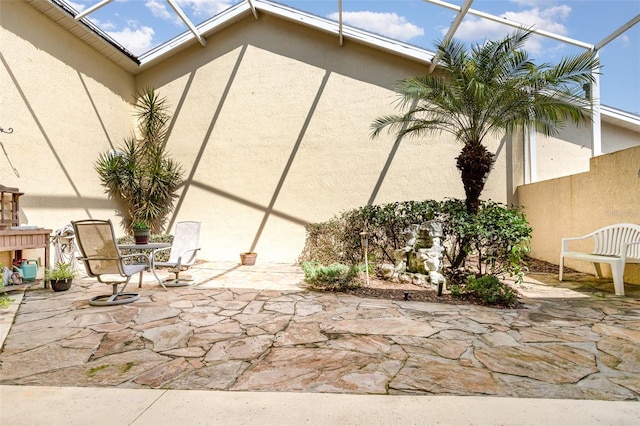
[(620, 118), (63, 14)]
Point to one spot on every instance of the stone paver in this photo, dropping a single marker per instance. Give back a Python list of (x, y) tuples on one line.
[(256, 328)]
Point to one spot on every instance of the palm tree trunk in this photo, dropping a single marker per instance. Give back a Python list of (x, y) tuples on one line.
[(474, 162)]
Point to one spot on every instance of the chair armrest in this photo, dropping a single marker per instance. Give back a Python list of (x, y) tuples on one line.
[(191, 258), (626, 247), (565, 241)]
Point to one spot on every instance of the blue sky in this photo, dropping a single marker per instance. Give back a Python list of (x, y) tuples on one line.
[(140, 25)]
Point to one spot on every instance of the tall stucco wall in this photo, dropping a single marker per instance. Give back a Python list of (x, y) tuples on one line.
[(575, 205), (272, 123), (570, 151), (65, 104), (616, 138)]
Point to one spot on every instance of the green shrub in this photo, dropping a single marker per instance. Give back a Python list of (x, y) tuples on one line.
[(487, 289), (496, 239), (335, 277)]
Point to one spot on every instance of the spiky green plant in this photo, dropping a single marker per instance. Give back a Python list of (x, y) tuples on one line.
[(141, 176)]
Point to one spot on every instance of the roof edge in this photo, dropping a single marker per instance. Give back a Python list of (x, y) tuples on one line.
[(240, 10)]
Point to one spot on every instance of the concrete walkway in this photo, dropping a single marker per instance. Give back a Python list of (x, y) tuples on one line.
[(197, 355)]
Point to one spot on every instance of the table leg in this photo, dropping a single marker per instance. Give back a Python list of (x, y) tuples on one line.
[(46, 261), (153, 268)]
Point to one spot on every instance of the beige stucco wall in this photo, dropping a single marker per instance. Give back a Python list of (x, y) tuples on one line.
[(272, 120), (616, 138), (65, 103), (575, 205)]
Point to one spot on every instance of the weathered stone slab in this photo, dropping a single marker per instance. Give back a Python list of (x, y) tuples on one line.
[(188, 352), (254, 307), (158, 376), (247, 348), (18, 342), (284, 307), (92, 318), (118, 342), (275, 324), (553, 334), (499, 338), (121, 367), (380, 326), (300, 369), (449, 349), (620, 332), (218, 376), (201, 319), (231, 305), (300, 333), (156, 313), (41, 359), (626, 353), (168, 337), (107, 328), (550, 363), (524, 387), (420, 375), (370, 344), (206, 340), (304, 309)]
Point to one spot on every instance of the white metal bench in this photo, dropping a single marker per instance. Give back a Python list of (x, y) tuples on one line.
[(616, 245)]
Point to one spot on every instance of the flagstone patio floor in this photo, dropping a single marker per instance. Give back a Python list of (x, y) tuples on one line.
[(256, 328)]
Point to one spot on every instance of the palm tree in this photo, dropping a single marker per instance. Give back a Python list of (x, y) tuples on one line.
[(493, 88), (140, 176)]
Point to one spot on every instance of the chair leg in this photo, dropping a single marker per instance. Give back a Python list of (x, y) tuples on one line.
[(177, 281), (598, 270), (561, 270), (617, 271)]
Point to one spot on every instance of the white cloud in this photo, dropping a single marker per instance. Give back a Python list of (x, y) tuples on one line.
[(79, 7), (204, 8), (136, 38), (386, 24), (158, 9), (102, 25), (550, 19), (625, 40)]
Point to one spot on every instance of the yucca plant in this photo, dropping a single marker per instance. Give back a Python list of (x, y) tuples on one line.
[(141, 176)]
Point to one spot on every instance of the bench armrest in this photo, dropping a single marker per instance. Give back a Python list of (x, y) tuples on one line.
[(565, 241), (625, 249)]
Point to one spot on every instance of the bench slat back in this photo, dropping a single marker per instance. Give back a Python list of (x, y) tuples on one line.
[(609, 240)]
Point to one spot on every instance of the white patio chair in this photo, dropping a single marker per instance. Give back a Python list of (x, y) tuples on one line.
[(102, 259), (183, 252)]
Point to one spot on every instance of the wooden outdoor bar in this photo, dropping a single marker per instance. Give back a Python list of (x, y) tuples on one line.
[(16, 238)]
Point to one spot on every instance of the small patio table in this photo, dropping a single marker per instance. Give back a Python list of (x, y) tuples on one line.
[(153, 247)]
